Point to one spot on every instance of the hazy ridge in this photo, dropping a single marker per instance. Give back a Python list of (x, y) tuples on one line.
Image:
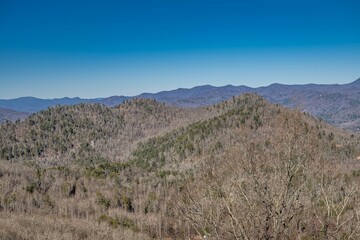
[(334, 103)]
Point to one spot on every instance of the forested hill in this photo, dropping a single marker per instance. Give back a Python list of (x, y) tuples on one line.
[(83, 131), (241, 169)]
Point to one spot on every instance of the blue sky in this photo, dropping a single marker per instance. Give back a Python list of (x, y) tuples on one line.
[(93, 48)]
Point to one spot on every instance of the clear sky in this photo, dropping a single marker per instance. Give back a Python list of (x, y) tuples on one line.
[(101, 48)]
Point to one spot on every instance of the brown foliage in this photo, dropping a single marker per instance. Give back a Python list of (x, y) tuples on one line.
[(243, 169)]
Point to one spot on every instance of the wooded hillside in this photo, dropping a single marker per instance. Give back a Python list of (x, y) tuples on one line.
[(241, 169)]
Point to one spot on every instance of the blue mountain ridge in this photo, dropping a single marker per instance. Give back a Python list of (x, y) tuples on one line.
[(338, 104)]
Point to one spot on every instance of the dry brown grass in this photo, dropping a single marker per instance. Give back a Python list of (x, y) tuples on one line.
[(39, 227)]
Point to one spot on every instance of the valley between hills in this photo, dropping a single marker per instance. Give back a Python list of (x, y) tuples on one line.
[(242, 168)]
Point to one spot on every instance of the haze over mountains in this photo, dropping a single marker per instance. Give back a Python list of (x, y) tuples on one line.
[(334, 103)]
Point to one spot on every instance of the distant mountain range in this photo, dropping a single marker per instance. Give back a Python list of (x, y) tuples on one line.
[(334, 103)]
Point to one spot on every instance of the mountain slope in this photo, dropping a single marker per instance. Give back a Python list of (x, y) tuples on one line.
[(336, 104), (238, 120), (157, 171)]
